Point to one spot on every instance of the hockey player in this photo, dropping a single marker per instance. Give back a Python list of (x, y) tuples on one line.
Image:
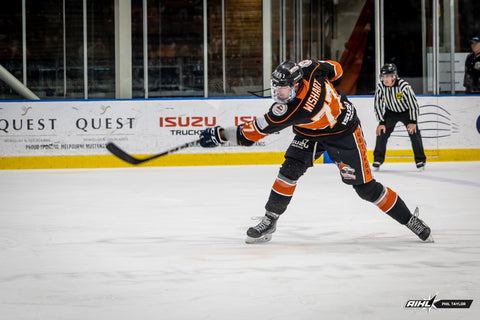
[(395, 101), (323, 120)]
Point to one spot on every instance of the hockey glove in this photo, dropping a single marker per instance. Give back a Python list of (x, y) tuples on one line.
[(211, 137)]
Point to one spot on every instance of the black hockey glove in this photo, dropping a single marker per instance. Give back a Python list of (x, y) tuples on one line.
[(211, 137)]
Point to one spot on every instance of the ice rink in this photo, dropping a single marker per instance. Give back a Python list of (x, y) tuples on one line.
[(168, 243)]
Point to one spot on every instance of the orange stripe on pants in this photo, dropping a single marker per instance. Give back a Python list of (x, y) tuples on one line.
[(363, 151), (387, 201), (283, 188)]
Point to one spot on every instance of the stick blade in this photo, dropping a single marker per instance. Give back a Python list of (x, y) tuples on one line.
[(119, 153)]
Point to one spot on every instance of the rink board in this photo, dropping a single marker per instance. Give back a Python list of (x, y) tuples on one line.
[(73, 134)]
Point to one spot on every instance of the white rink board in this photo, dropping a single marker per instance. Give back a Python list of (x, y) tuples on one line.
[(62, 128)]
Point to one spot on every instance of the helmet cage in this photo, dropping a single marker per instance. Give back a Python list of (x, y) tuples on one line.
[(279, 98)]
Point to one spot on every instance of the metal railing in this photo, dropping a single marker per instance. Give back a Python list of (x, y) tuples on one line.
[(17, 85)]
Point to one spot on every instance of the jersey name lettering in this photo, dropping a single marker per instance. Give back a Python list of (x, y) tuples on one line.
[(314, 96), (327, 116)]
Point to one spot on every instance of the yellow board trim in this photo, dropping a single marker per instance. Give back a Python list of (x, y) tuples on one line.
[(208, 159), (432, 155)]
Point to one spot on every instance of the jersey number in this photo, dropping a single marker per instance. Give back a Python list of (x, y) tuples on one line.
[(331, 109)]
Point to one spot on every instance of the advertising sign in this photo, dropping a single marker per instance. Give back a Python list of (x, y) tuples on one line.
[(60, 128)]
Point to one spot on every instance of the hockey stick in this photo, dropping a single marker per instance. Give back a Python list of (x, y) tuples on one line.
[(116, 151), (257, 95)]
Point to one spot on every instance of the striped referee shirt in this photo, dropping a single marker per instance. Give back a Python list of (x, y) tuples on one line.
[(397, 98)]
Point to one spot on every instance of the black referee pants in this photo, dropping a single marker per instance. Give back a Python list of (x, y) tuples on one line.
[(391, 119)]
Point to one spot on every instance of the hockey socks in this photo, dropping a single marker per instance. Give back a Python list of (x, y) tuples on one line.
[(390, 203), (281, 194)]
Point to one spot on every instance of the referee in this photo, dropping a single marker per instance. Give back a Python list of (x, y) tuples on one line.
[(395, 101)]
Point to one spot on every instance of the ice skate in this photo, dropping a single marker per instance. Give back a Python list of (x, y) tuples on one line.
[(420, 166), (262, 232), (376, 166), (419, 227)]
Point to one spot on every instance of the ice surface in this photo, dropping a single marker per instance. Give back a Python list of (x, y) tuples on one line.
[(168, 243)]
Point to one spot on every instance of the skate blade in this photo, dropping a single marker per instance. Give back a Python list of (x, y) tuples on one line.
[(262, 239), (429, 239)]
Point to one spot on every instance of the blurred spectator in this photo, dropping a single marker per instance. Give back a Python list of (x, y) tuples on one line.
[(471, 81)]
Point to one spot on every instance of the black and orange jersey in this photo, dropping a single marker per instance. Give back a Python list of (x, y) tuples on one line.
[(318, 109)]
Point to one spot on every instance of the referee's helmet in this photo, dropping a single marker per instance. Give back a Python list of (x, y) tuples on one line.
[(389, 68)]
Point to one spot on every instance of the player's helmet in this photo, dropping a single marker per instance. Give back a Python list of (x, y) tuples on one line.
[(287, 74), (389, 68)]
